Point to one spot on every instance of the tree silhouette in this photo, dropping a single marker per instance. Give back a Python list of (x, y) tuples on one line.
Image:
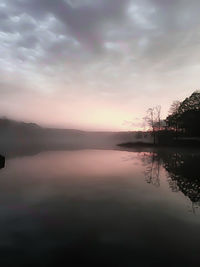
[(185, 116), (153, 119)]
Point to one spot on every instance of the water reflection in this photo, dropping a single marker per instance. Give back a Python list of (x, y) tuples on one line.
[(183, 170), (152, 171), (93, 208)]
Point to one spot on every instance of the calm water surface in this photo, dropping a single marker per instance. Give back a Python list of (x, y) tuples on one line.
[(100, 208)]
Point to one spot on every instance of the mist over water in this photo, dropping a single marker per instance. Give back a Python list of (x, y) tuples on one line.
[(18, 138), (100, 208)]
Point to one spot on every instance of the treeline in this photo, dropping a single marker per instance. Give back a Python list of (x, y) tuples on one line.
[(182, 125), (184, 117)]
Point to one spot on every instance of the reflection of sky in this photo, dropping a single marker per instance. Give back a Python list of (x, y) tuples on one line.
[(92, 201), (95, 64), (88, 174)]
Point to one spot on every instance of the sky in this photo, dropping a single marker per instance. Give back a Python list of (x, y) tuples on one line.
[(96, 64)]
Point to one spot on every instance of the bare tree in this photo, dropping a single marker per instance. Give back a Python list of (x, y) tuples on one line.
[(158, 116), (153, 119), (173, 117), (174, 107)]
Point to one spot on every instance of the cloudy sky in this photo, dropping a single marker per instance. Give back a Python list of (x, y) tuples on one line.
[(96, 64)]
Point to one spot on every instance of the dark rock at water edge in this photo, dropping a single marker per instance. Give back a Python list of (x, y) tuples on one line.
[(2, 162)]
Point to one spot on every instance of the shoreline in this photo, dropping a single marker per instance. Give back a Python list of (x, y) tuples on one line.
[(177, 144)]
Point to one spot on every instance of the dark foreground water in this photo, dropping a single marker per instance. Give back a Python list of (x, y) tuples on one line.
[(100, 208)]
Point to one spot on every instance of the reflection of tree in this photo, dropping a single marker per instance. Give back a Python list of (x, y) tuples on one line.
[(184, 173), (183, 169), (152, 171)]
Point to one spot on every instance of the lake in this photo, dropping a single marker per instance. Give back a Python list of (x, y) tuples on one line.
[(100, 208)]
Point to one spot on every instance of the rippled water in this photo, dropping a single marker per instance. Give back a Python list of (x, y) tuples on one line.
[(100, 208)]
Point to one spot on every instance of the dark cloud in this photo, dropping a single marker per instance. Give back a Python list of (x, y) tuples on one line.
[(150, 28), (84, 23)]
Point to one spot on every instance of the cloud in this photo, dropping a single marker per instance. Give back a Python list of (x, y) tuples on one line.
[(112, 49), (83, 31), (84, 22)]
